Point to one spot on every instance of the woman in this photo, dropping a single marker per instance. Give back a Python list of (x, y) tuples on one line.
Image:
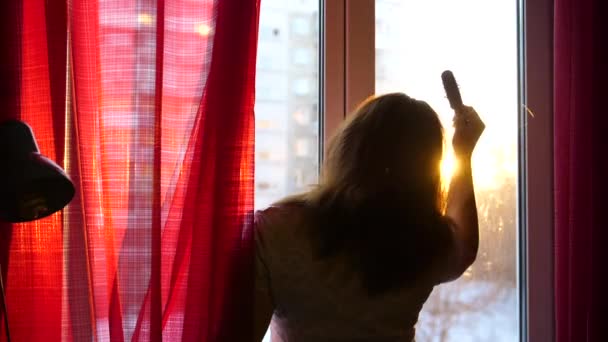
[(355, 258)]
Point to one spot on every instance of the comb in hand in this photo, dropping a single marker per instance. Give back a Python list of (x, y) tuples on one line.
[(451, 89)]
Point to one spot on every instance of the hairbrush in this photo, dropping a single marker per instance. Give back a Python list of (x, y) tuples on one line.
[(451, 89)]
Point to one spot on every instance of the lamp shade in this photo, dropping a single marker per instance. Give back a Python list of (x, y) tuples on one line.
[(31, 185)]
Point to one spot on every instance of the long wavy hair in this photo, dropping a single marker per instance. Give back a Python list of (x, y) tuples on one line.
[(379, 197)]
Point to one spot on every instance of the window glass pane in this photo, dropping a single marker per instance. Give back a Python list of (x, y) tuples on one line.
[(287, 128), (477, 40), (287, 125)]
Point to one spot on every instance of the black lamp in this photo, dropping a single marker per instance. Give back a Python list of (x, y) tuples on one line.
[(31, 185)]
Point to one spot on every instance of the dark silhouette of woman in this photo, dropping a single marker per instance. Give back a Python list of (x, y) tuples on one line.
[(356, 257)]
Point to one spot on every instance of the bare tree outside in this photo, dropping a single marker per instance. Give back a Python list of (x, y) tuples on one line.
[(488, 285)]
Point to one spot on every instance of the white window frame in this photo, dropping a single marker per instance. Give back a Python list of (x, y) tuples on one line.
[(347, 50)]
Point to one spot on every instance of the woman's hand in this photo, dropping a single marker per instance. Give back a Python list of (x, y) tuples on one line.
[(468, 128)]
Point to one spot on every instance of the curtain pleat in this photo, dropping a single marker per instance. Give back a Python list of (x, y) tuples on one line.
[(580, 123)]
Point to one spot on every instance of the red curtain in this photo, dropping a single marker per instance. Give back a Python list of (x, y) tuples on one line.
[(581, 168), (154, 124)]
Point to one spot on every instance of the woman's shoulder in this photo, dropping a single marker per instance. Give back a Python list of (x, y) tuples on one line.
[(280, 228), (284, 214)]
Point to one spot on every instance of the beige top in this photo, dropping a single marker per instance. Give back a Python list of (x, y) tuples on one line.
[(323, 299)]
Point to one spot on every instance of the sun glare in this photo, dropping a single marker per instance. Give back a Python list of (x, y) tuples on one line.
[(488, 173), (203, 29), (448, 166), (145, 18)]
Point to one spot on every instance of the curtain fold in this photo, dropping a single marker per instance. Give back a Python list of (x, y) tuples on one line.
[(10, 66), (32, 252), (148, 106), (224, 176), (580, 123)]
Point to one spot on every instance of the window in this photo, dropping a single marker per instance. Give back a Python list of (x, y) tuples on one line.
[(477, 40), (302, 56), (286, 96), (301, 87), (412, 48), (300, 26)]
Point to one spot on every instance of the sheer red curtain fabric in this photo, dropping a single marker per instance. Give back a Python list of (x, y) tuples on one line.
[(34, 47), (157, 134)]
